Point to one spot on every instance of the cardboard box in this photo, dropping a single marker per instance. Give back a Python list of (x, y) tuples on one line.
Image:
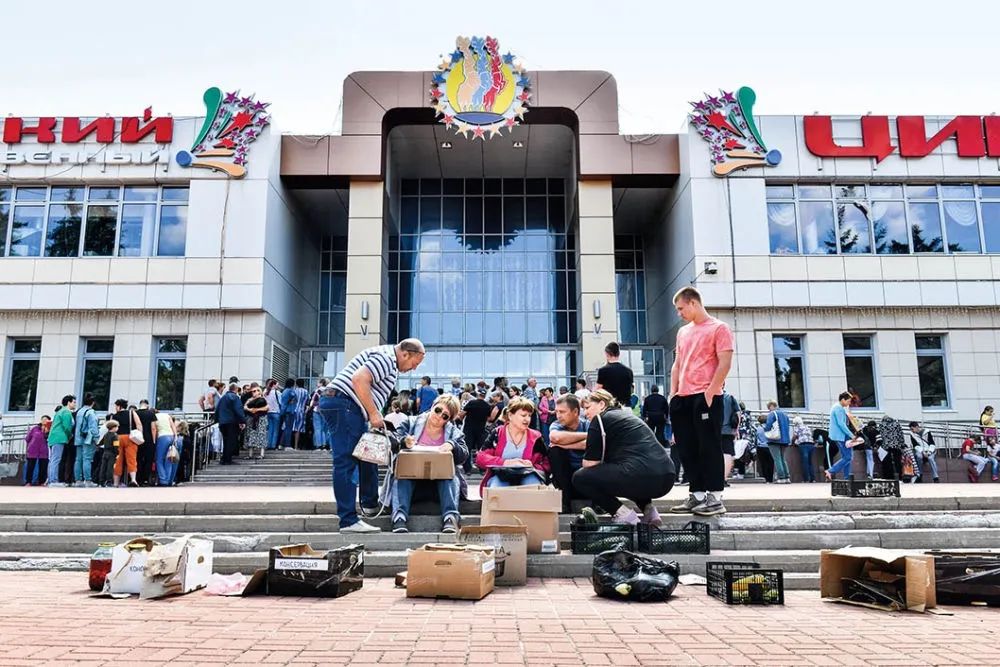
[(299, 570), (510, 549), (128, 566), (179, 567), (882, 564), (536, 507), (458, 571), (425, 465)]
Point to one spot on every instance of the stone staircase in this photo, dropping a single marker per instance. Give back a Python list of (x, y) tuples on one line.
[(287, 467), (786, 534)]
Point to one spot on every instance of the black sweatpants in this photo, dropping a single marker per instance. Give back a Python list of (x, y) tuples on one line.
[(43, 471), (66, 465), (144, 456), (675, 456), (562, 467), (697, 429), (765, 463), (474, 440), (230, 442), (607, 482), (656, 425)]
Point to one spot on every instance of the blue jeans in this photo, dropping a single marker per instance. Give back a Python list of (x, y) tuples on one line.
[(287, 422), (345, 424), (780, 465), (843, 464), (496, 482), (273, 429), (165, 470), (869, 463), (545, 433), (55, 457), (319, 438), (402, 497), (83, 463), (918, 464), (806, 454)]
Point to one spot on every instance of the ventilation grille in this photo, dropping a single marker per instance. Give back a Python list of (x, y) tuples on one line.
[(280, 360)]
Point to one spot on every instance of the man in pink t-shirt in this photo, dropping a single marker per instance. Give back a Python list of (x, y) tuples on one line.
[(702, 360)]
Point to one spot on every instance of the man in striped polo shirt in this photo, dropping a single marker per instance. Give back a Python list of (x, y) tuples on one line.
[(353, 402)]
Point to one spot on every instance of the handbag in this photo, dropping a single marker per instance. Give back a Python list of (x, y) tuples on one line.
[(172, 454), (135, 435), (511, 474), (373, 447), (775, 432)]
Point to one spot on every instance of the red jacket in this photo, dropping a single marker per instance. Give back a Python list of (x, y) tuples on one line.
[(491, 453)]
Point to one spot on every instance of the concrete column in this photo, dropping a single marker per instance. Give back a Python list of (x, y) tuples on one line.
[(367, 268), (596, 272)]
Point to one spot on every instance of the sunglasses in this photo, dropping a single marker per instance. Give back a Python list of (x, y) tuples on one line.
[(445, 415)]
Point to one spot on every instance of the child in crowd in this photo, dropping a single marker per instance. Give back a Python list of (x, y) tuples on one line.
[(107, 452)]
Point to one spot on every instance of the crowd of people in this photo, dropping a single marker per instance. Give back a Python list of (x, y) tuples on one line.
[(133, 446)]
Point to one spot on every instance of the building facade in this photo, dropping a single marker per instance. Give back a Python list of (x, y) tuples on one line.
[(126, 271)]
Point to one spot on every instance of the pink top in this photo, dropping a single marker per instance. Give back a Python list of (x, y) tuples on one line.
[(698, 348), (426, 439)]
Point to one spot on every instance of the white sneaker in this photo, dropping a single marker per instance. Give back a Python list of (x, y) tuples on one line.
[(56, 485), (89, 485), (361, 527)]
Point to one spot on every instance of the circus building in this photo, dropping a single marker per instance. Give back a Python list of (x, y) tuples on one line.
[(499, 215)]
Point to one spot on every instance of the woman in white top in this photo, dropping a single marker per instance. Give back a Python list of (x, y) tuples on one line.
[(271, 393), (166, 435)]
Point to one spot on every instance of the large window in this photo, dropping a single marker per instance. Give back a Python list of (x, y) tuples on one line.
[(885, 219), (630, 284), (171, 356), (483, 262), (22, 375), (79, 221), (95, 375), (859, 359), (932, 370), (789, 370), (333, 291)]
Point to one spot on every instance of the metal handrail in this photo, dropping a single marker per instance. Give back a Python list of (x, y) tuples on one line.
[(948, 435)]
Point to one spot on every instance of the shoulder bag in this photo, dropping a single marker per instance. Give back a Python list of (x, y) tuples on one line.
[(135, 435), (374, 447)]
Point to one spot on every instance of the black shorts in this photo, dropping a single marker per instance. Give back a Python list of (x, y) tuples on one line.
[(727, 445)]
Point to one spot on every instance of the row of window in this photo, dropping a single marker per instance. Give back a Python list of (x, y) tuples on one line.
[(630, 286), (481, 186), (106, 221), (94, 376), (860, 363), (885, 219)]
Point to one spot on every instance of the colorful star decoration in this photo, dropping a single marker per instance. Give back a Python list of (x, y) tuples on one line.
[(726, 122), (471, 85), (238, 122)]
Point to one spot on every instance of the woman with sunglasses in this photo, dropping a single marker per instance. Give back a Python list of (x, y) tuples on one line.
[(434, 428), (514, 454)]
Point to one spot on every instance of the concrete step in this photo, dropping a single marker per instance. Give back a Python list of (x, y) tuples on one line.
[(90, 502), (388, 563), (920, 538), (754, 522)]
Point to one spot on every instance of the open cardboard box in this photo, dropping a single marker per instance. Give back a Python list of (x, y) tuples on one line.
[(860, 562), (510, 547), (536, 507), (457, 571)]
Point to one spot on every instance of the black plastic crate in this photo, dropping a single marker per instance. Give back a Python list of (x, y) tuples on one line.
[(693, 538), (870, 488), (967, 577), (594, 538), (744, 583)]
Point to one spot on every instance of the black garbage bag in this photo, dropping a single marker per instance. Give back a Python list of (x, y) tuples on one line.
[(623, 575)]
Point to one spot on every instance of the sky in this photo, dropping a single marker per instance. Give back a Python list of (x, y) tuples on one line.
[(843, 57)]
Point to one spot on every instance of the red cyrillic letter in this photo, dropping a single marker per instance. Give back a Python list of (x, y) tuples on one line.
[(72, 133), (14, 129), (132, 132), (967, 130), (875, 141)]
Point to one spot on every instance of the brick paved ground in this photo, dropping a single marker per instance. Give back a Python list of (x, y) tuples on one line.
[(46, 619)]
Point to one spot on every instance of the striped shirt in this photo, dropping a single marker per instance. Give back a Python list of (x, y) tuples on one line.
[(381, 363)]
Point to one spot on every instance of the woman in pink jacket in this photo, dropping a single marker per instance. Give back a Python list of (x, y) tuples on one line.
[(38, 452), (514, 455)]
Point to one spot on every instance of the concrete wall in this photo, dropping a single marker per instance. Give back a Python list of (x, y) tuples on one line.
[(596, 271)]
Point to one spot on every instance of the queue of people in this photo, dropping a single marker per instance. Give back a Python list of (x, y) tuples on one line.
[(133, 446)]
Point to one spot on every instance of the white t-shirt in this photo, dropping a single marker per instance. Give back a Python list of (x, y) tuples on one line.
[(395, 418)]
